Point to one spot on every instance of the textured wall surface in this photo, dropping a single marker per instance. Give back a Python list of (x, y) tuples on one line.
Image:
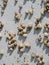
[(11, 25)]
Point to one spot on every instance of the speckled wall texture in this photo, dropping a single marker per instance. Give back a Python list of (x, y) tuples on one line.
[(7, 17)]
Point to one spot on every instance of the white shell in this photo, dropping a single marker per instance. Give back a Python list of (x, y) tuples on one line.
[(1, 52), (27, 44), (24, 30), (42, 11), (46, 34), (24, 35)]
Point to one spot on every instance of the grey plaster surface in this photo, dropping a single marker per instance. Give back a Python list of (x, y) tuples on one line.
[(11, 25)]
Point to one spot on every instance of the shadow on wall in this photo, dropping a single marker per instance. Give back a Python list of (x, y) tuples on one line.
[(15, 2), (20, 53), (1, 57), (10, 51), (37, 31), (33, 1), (46, 49), (21, 38)]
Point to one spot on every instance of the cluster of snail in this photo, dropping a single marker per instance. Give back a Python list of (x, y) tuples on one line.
[(12, 43), (4, 6), (45, 40), (17, 15), (38, 24), (1, 26), (47, 26), (22, 47), (29, 11), (26, 63), (46, 7), (46, 34), (22, 29), (5, 3), (39, 58)]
